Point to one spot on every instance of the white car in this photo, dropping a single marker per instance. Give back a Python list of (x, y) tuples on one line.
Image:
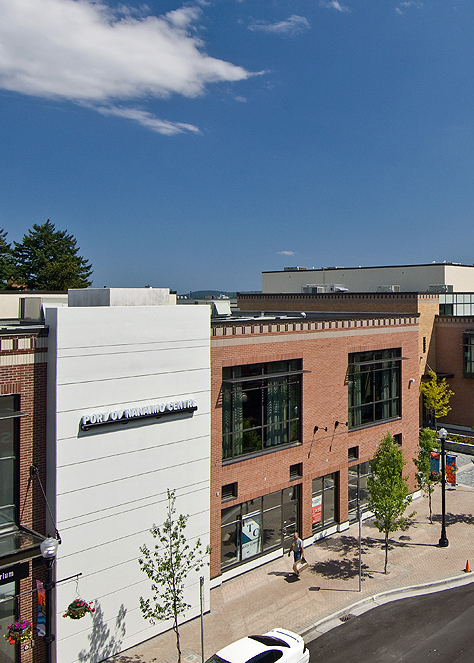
[(276, 645)]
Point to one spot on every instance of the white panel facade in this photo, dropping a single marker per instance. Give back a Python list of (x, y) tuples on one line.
[(108, 484)]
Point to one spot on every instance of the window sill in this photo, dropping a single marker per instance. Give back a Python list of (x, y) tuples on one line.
[(263, 452), (371, 425)]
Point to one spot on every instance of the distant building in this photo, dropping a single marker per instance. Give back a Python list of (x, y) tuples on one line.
[(441, 278)]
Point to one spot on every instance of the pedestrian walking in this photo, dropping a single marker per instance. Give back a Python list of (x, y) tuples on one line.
[(298, 552)]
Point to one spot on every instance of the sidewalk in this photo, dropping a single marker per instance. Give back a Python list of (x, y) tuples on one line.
[(271, 596)]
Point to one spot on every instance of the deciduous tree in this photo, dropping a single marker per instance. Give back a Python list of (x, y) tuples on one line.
[(427, 480), (436, 396), (168, 565), (389, 494)]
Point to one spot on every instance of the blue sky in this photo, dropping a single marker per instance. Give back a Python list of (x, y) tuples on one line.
[(195, 145)]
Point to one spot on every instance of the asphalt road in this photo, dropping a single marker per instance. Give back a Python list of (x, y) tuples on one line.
[(436, 628)]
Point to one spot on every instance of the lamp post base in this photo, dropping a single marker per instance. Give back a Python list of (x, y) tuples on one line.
[(443, 542)]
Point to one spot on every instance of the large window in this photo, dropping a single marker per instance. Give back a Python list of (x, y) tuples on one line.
[(9, 432), (374, 386), (262, 524), (358, 493), (324, 500), (468, 360), (261, 407)]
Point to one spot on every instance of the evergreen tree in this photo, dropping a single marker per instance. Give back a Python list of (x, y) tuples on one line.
[(7, 269), (388, 489), (47, 259), (167, 566)]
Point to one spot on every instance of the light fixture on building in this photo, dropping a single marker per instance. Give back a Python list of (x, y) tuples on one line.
[(316, 428)]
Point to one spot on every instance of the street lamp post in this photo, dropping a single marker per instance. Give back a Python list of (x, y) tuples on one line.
[(443, 541), (49, 548)]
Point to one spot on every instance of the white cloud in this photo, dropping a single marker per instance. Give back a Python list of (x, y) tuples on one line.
[(286, 253), (402, 6), (82, 51), (334, 4), (148, 120), (291, 26)]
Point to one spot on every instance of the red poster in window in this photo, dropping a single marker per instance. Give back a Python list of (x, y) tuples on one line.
[(317, 503)]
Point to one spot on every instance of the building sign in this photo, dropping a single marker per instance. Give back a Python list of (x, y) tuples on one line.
[(12, 573), (251, 544), (157, 410)]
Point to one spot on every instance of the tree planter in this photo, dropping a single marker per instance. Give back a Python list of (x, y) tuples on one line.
[(18, 632), (78, 608)]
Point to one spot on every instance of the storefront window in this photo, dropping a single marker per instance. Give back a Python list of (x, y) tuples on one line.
[(324, 501), (259, 525), (358, 493), (260, 407), (7, 616)]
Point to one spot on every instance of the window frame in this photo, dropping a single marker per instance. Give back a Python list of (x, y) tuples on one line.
[(255, 510), (12, 415), (375, 371), (324, 492), (355, 470), (269, 418), (468, 354)]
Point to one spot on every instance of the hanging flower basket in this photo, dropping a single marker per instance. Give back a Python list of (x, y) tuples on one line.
[(18, 631), (78, 608)]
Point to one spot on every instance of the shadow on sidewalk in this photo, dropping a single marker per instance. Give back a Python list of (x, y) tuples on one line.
[(340, 569), (455, 518)]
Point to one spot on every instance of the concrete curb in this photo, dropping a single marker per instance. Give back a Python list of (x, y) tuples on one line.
[(359, 607)]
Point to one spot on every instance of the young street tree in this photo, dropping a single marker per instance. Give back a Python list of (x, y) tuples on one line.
[(167, 565), (389, 494), (427, 480), (47, 259), (436, 396)]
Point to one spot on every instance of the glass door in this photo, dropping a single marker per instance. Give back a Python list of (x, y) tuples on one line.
[(290, 515)]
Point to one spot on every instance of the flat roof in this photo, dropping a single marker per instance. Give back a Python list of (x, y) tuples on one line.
[(339, 267), (293, 316)]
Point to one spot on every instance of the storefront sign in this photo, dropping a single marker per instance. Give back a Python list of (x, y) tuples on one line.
[(317, 508), (12, 573), (250, 537), (156, 410)]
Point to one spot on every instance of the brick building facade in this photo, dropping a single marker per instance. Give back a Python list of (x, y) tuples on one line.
[(455, 360), (23, 351), (302, 473)]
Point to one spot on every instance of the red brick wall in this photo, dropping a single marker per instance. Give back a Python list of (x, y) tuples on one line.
[(28, 379), (325, 401), (449, 360)]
